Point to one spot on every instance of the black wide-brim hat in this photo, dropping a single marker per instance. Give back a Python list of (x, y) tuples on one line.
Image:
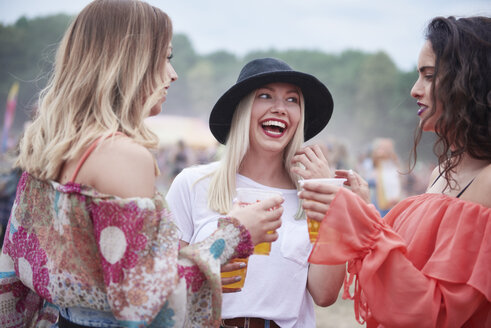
[(259, 72)]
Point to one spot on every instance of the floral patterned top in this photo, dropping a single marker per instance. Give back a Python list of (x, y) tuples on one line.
[(70, 246)]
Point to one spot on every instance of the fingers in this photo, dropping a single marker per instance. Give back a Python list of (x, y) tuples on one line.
[(341, 174), (317, 216), (357, 184), (315, 164), (232, 266), (260, 218), (271, 223), (316, 206), (316, 198), (230, 290), (318, 152), (315, 210), (318, 187), (270, 203), (271, 236), (230, 280), (312, 153)]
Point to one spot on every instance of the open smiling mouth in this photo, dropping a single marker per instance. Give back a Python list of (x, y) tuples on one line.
[(274, 128)]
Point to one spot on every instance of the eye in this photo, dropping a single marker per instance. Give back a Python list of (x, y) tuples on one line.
[(264, 95), (428, 77), (292, 99), (170, 56)]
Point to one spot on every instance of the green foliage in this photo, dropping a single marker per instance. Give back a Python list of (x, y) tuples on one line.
[(26, 54), (371, 95)]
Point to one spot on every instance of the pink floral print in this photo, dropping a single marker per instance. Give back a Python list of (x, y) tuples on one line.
[(27, 247), (129, 219)]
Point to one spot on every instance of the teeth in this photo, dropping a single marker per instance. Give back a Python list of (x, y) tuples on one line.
[(275, 123)]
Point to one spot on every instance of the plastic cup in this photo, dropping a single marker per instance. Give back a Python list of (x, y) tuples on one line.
[(314, 225), (240, 272), (247, 196)]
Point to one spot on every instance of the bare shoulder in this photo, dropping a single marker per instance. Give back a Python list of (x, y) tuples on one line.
[(481, 188), (121, 167)]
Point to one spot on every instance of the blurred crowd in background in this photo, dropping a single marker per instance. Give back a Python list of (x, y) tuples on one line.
[(379, 163)]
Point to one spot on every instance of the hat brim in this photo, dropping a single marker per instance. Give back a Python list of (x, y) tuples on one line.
[(318, 102)]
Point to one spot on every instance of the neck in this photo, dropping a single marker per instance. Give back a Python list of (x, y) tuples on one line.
[(267, 169), (470, 164)]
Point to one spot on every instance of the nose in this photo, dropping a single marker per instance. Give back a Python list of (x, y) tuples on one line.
[(279, 107), (417, 89), (172, 73)]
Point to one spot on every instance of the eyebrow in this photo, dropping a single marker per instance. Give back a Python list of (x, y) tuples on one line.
[(423, 68)]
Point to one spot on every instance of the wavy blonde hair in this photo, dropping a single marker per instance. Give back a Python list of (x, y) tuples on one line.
[(108, 74), (222, 185)]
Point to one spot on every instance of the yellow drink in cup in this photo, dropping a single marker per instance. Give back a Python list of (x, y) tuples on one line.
[(240, 272), (246, 196), (263, 248), (314, 225)]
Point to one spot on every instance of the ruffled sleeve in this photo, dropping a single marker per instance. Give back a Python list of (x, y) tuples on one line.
[(144, 276), (138, 250), (425, 264)]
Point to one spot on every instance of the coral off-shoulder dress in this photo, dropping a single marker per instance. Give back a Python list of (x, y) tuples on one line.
[(427, 263)]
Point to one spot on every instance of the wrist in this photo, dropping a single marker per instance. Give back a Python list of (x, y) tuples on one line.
[(245, 247)]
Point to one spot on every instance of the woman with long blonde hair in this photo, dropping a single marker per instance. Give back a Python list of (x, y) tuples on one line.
[(89, 239), (263, 120)]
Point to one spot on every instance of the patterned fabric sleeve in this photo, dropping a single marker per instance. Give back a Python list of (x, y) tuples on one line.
[(200, 264), (144, 278), (69, 246)]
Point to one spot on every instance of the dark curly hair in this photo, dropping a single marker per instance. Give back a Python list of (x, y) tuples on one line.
[(461, 84)]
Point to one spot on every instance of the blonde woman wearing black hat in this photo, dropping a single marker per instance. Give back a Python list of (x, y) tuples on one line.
[(263, 121)]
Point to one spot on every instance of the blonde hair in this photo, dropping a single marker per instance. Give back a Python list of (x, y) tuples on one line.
[(108, 74), (222, 185)]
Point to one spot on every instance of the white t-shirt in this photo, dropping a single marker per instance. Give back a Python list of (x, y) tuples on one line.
[(275, 285)]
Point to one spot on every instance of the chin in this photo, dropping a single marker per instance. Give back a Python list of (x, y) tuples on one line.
[(427, 127), (155, 111)]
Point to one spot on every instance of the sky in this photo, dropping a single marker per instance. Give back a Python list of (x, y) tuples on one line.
[(332, 26)]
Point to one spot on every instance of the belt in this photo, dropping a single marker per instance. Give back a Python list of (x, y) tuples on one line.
[(248, 323)]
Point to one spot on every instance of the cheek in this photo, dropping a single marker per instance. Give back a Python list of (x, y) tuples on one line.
[(257, 112), (428, 94), (295, 116)]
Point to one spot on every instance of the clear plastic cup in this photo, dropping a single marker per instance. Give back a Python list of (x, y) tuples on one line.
[(247, 196)]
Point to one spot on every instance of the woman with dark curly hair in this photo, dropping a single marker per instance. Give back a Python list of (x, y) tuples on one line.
[(427, 262)]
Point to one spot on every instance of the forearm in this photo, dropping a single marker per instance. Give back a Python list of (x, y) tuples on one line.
[(324, 282)]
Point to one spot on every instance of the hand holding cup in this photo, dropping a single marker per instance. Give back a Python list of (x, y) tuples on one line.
[(233, 275), (260, 217), (317, 194), (356, 183)]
